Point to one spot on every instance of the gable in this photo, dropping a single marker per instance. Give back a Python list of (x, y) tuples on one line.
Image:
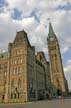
[(21, 37)]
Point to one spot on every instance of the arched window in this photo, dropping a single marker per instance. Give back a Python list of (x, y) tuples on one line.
[(12, 84), (11, 95), (19, 70), (5, 74), (15, 70), (19, 83)]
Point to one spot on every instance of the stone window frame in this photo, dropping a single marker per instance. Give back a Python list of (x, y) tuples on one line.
[(19, 83), (12, 84), (17, 70), (20, 60)]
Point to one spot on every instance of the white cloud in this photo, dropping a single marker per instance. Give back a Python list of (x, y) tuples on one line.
[(67, 70), (68, 66), (46, 9), (4, 17), (37, 28)]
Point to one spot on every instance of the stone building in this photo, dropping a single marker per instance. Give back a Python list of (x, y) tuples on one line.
[(48, 86), (3, 75), (58, 79), (23, 74), (26, 76)]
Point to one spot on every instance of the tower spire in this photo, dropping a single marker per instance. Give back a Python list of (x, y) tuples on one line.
[(56, 69), (51, 31)]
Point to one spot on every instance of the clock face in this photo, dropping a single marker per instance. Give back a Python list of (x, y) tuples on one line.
[(51, 39)]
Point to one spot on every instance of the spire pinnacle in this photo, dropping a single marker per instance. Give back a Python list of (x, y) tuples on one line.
[(51, 32)]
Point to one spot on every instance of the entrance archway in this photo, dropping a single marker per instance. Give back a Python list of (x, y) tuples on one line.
[(59, 93)]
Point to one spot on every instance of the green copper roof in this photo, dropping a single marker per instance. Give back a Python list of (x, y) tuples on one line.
[(3, 55), (51, 32)]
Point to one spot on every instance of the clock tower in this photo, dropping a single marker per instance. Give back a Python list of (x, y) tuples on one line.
[(58, 79)]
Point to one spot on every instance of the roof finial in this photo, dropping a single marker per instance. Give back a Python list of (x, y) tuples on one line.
[(48, 19)]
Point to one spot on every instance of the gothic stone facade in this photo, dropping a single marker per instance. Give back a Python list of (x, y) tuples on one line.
[(25, 76), (58, 79)]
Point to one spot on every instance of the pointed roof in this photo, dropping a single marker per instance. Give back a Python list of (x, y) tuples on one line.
[(41, 56), (21, 37), (51, 31)]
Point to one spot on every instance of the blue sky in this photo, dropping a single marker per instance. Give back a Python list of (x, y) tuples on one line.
[(32, 16), (66, 7)]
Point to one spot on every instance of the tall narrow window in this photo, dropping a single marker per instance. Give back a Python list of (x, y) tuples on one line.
[(16, 70), (12, 84), (19, 70), (19, 83), (13, 71), (5, 74), (19, 60)]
